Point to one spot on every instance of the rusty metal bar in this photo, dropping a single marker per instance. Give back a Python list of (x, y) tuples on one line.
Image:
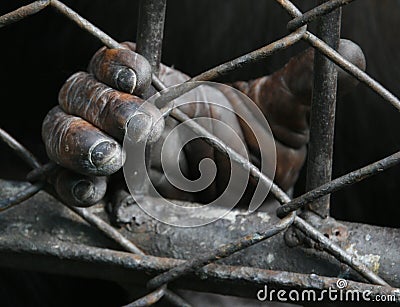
[(149, 299), (341, 182), (21, 196), (82, 260), (107, 229), (229, 66), (223, 148), (219, 253), (29, 159), (115, 235), (293, 11), (23, 12), (335, 250), (352, 69), (85, 24), (151, 31), (322, 115), (251, 57), (19, 149), (316, 12), (41, 173), (175, 299), (339, 60), (149, 40)]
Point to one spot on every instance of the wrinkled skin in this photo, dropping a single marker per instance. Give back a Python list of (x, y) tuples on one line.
[(94, 109)]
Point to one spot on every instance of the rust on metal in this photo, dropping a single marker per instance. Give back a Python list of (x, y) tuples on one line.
[(315, 13), (340, 183), (322, 114), (23, 12)]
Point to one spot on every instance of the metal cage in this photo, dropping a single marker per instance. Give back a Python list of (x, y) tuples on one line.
[(331, 246)]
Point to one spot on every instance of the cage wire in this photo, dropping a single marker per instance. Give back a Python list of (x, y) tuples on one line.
[(172, 269)]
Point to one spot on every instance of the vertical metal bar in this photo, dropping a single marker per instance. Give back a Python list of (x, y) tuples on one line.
[(149, 39), (151, 30), (319, 170)]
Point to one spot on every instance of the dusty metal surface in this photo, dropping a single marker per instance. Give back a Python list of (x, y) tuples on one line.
[(315, 13), (151, 31), (322, 115), (23, 12)]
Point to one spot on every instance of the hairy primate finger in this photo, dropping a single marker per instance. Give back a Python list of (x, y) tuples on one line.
[(77, 145), (110, 110), (122, 69), (77, 189)]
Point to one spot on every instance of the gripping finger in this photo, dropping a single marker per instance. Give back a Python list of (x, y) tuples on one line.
[(121, 69), (77, 145), (110, 110), (78, 190)]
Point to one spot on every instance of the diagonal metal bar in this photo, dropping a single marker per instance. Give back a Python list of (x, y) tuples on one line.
[(115, 235), (107, 229), (227, 150), (85, 24), (18, 198), (229, 66), (339, 60), (339, 183), (23, 12), (316, 12), (29, 159), (251, 57), (150, 298), (336, 251), (19, 149), (352, 69), (222, 252)]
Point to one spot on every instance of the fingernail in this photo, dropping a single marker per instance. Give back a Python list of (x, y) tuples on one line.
[(83, 190), (139, 127), (103, 153), (126, 80)]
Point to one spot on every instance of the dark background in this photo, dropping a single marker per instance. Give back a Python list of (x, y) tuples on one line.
[(40, 52)]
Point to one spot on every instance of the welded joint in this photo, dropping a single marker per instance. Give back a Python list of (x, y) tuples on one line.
[(329, 227)]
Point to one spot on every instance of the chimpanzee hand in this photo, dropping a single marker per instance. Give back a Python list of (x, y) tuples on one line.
[(82, 133)]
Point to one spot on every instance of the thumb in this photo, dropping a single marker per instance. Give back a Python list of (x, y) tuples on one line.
[(298, 72)]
